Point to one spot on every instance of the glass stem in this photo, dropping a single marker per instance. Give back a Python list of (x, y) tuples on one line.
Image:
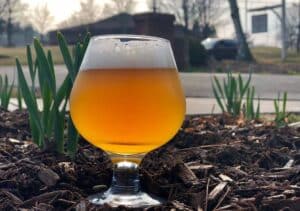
[(125, 179)]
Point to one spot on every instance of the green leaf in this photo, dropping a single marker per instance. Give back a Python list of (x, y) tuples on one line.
[(35, 132), (276, 107), (30, 63), (59, 130), (218, 99), (8, 92), (241, 88), (284, 102), (63, 92), (66, 55), (30, 102), (73, 138), (247, 84), (1, 84), (19, 97), (217, 82), (51, 68), (257, 116), (44, 67)]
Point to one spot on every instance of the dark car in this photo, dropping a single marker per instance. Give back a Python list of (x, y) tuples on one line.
[(221, 48)]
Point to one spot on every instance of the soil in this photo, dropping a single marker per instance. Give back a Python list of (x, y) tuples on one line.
[(213, 163)]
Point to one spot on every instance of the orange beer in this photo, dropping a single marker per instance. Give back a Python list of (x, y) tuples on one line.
[(127, 110)]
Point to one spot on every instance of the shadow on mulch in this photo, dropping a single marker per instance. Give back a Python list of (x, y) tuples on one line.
[(211, 164)]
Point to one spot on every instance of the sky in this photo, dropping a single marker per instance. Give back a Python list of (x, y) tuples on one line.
[(62, 9)]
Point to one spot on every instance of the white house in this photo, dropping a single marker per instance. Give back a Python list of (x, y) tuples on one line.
[(261, 27)]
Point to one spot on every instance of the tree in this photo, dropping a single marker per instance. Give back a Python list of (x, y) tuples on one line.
[(42, 20), (293, 27), (89, 12), (12, 11), (244, 53), (3, 6), (205, 13), (119, 6)]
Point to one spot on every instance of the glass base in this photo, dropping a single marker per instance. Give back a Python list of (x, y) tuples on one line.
[(138, 200)]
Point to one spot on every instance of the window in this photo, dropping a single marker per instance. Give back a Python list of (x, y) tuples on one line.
[(259, 23)]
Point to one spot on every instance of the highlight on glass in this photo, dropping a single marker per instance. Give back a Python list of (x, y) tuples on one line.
[(127, 100)]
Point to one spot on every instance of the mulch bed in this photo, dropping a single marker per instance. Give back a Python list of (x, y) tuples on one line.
[(213, 163)]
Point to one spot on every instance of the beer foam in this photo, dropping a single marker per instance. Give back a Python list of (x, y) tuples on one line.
[(128, 51)]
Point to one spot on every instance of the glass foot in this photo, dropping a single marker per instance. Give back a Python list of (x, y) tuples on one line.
[(140, 199)]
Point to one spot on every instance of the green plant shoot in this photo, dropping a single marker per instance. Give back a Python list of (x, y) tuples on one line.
[(280, 111), (229, 96), (5, 92), (48, 125)]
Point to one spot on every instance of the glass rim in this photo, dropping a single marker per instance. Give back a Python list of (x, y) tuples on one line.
[(130, 36)]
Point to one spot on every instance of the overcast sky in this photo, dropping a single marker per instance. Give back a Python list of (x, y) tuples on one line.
[(62, 9)]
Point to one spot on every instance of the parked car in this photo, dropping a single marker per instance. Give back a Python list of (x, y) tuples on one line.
[(221, 48)]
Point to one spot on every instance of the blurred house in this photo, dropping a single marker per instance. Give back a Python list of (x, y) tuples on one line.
[(263, 28), (155, 24)]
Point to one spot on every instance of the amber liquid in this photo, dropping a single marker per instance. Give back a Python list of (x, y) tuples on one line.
[(127, 111)]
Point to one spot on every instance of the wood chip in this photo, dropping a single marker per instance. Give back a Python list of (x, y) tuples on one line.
[(217, 191), (187, 176), (48, 177), (179, 206), (13, 197), (225, 178), (222, 198), (289, 164), (42, 198), (200, 167)]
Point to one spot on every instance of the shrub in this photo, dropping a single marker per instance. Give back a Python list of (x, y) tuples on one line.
[(197, 53)]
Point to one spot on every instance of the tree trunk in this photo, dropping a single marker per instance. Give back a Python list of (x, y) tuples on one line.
[(298, 39), (9, 28), (185, 14), (244, 53), (298, 35)]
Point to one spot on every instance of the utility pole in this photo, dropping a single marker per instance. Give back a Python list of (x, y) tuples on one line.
[(283, 31)]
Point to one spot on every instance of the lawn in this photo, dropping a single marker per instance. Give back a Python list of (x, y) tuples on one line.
[(268, 60), (8, 55), (266, 57), (272, 55)]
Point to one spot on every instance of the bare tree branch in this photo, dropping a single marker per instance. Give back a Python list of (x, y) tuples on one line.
[(41, 19), (89, 12), (119, 6)]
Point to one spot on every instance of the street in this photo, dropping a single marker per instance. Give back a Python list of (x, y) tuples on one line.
[(200, 84)]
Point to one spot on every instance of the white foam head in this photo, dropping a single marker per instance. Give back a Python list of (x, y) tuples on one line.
[(128, 51)]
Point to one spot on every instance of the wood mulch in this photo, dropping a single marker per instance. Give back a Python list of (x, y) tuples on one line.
[(213, 163)]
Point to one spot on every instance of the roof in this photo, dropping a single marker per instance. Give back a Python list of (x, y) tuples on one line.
[(122, 20)]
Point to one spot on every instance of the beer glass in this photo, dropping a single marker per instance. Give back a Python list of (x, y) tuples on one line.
[(127, 100)]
